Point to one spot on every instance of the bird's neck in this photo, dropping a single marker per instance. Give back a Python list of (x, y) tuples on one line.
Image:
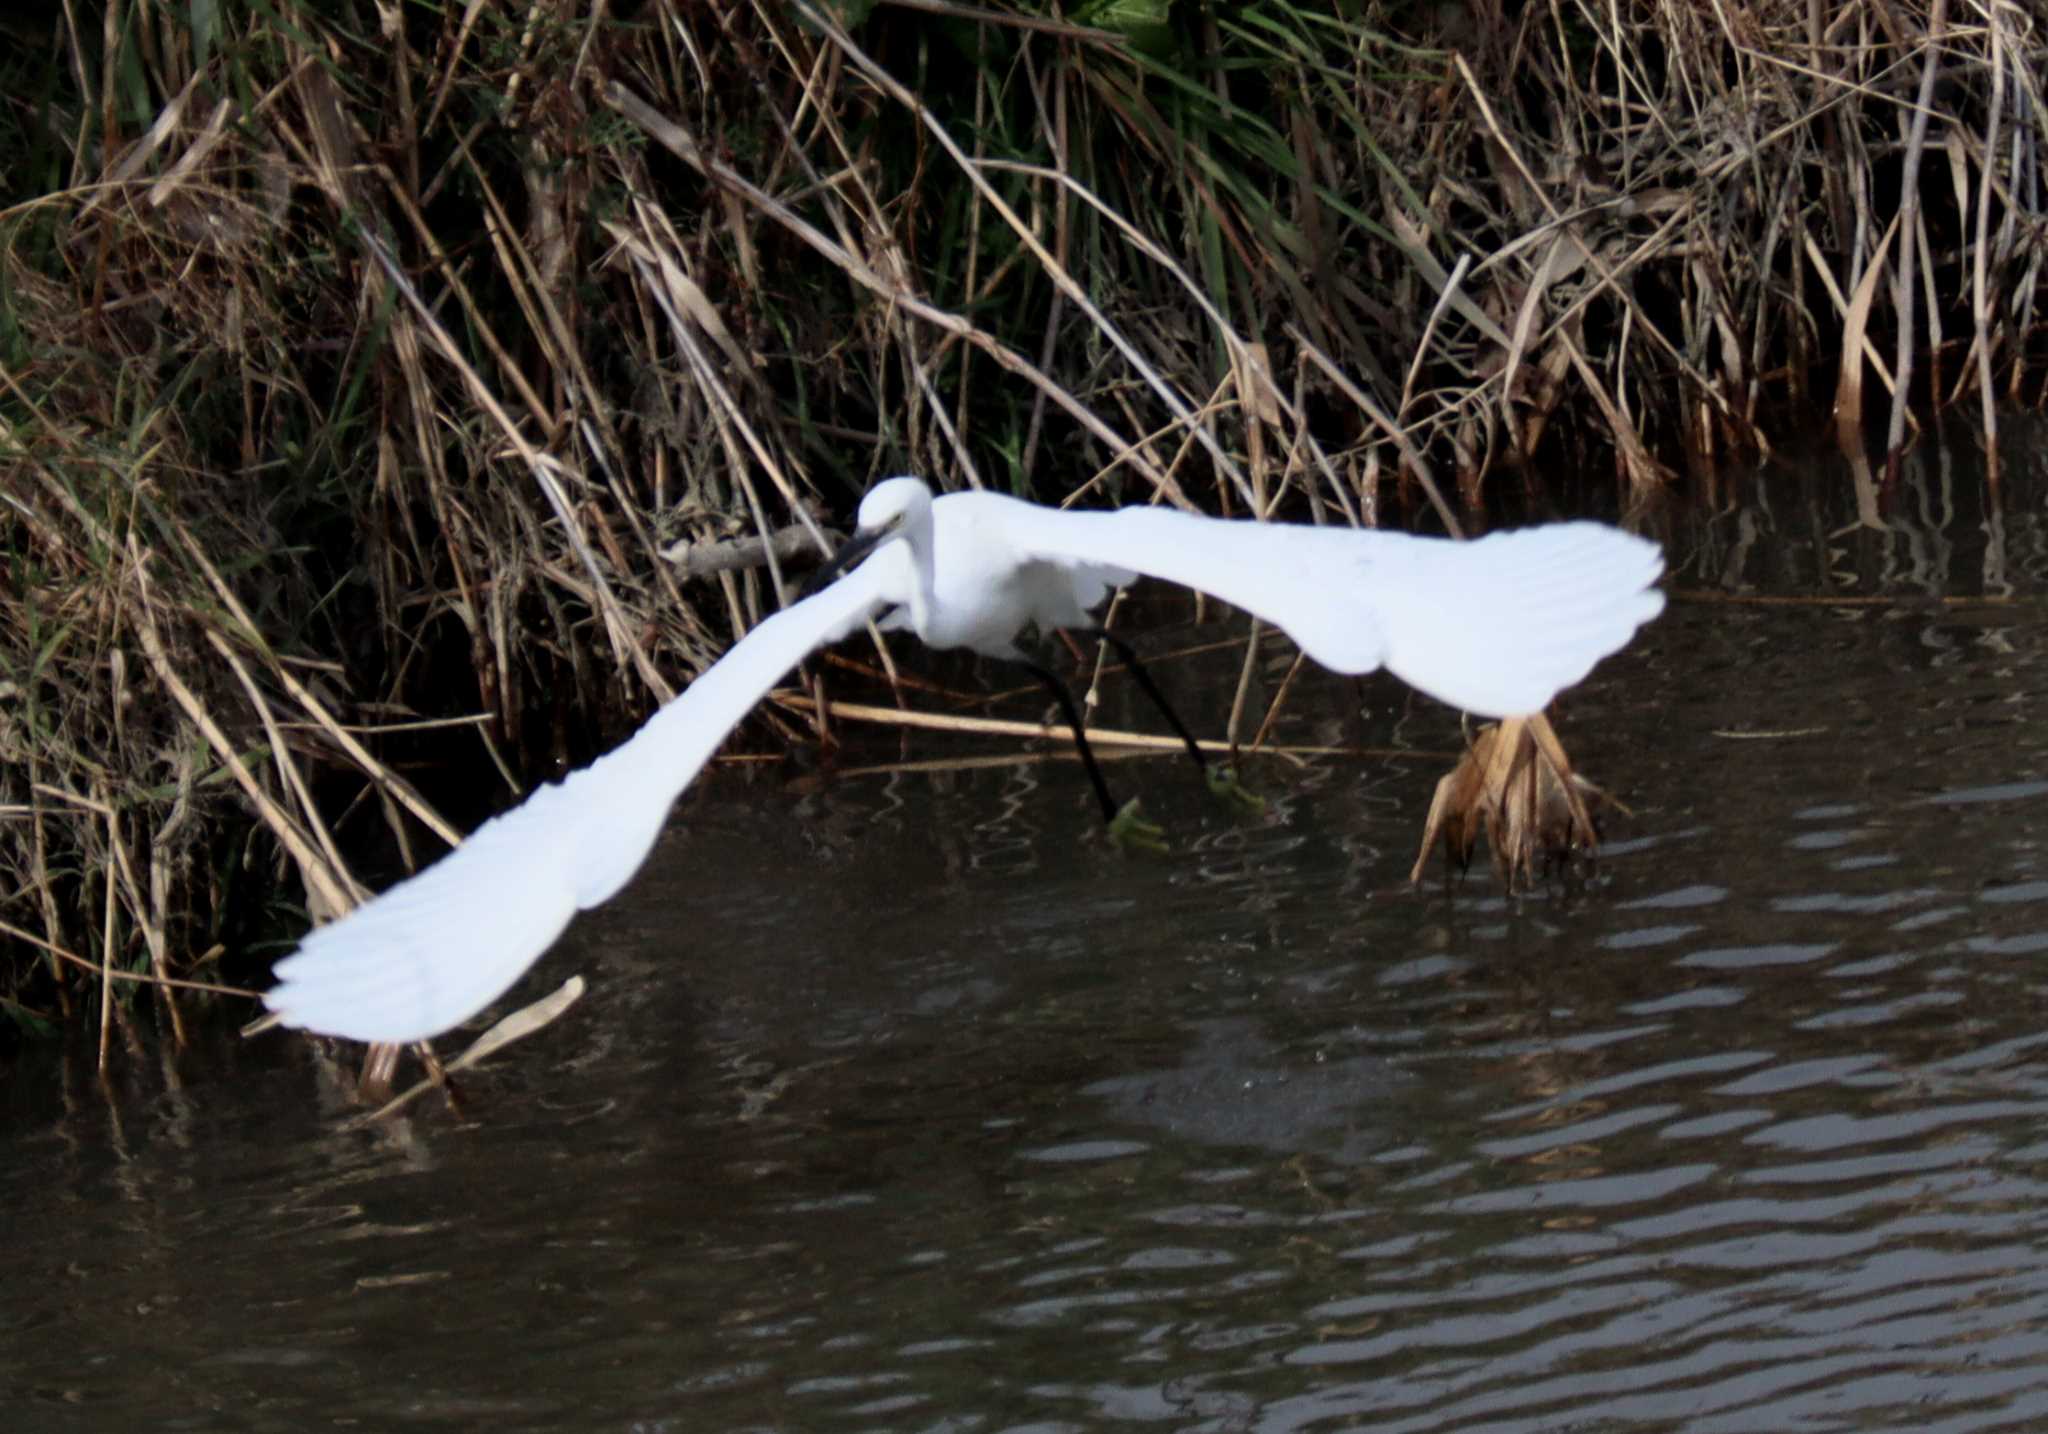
[(923, 597)]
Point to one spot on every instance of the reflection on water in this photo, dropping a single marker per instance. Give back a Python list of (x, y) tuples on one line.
[(901, 1106)]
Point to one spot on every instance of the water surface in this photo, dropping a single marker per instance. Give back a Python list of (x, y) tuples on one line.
[(901, 1104)]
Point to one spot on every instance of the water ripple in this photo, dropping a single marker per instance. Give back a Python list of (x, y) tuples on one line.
[(1742, 1130)]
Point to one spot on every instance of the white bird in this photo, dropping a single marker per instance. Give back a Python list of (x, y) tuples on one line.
[(1497, 626)]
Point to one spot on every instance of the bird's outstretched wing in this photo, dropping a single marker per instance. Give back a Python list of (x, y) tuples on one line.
[(1497, 626), (1502, 624), (438, 947)]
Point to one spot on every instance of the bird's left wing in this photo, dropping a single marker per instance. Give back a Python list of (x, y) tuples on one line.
[(1497, 625), (438, 947)]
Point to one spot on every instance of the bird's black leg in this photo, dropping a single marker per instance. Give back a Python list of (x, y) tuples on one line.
[(1125, 825), (1151, 690), (1221, 780), (1065, 698)]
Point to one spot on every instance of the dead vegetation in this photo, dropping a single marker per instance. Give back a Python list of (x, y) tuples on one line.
[(1516, 787), (374, 378)]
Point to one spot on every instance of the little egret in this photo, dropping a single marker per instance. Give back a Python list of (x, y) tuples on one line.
[(1497, 626)]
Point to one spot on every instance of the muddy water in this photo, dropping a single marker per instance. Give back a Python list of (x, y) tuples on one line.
[(901, 1105)]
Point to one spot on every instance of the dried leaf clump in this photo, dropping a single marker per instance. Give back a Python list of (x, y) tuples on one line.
[(1515, 785)]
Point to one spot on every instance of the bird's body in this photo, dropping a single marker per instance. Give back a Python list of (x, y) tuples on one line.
[(1497, 626), (986, 588)]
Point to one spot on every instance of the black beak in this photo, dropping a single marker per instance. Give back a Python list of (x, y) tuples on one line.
[(857, 547)]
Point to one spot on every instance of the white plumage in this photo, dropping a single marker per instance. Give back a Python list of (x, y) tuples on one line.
[(1497, 626)]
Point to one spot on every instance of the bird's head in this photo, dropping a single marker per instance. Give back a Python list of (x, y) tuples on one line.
[(894, 508)]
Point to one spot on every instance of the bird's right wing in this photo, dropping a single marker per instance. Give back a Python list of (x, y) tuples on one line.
[(1497, 626), (438, 947)]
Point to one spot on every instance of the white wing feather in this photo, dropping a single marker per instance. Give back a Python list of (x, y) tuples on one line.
[(438, 947), (1497, 626)]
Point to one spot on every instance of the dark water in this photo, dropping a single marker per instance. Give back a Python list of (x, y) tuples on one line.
[(902, 1105)]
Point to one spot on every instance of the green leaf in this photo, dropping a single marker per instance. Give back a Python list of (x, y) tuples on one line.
[(1147, 24)]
